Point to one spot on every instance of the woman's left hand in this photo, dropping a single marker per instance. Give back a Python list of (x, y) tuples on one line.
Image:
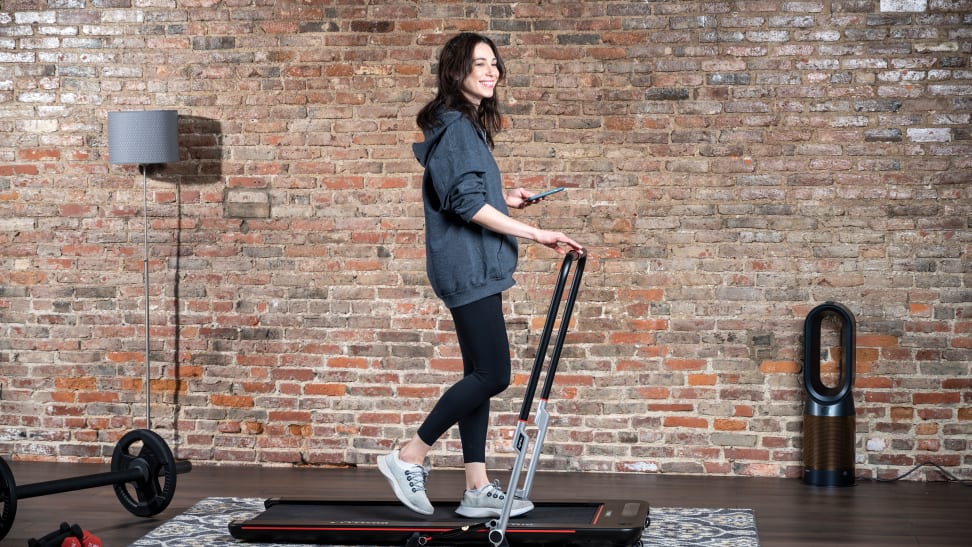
[(517, 198)]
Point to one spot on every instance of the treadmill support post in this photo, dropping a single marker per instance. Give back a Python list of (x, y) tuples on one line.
[(543, 421), (497, 527)]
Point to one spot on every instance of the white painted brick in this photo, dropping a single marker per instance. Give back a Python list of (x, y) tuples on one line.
[(17, 30), (936, 134), (37, 126), (803, 7), (83, 43), (23, 57), (40, 43), (904, 5), (768, 36), (38, 17), (825, 36), (36, 97), (57, 31), (16, 224), (940, 47), (103, 30), (950, 90), (122, 16), (66, 4)]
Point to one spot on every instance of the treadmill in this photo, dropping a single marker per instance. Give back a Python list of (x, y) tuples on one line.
[(603, 523)]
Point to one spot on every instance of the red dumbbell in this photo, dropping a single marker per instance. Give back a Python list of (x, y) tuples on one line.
[(90, 540)]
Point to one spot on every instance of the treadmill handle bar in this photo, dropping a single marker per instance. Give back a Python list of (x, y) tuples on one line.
[(565, 267), (542, 419), (497, 528)]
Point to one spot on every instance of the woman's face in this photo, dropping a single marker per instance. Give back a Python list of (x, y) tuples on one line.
[(481, 81)]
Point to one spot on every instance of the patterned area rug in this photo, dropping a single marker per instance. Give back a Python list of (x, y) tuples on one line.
[(205, 525)]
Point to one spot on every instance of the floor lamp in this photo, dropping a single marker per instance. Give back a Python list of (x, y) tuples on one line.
[(145, 138)]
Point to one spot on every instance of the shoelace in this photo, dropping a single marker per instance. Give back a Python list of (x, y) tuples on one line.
[(495, 491), (416, 476)]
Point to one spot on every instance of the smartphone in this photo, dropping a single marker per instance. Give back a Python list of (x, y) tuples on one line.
[(541, 195)]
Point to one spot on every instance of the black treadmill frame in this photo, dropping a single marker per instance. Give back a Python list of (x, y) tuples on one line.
[(614, 523)]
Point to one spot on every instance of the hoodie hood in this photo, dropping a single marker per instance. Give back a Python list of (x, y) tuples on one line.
[(423, 150)]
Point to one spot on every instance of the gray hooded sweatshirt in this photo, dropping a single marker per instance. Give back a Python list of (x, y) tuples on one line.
[(464, 261)]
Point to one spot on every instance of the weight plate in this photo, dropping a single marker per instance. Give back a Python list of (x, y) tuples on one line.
[(8, 499), (145, 450)]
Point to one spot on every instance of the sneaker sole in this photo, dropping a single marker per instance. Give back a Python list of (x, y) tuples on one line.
[(481, 512), (383, 467)]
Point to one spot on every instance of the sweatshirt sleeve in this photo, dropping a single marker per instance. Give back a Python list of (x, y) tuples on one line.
[(457, 168)]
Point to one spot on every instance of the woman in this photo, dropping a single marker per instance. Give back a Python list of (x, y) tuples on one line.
[(471, 253)]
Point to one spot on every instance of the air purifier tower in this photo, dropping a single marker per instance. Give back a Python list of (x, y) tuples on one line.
[(828, 418)]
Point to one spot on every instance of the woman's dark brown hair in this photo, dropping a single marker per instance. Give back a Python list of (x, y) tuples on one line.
[(455, 63)]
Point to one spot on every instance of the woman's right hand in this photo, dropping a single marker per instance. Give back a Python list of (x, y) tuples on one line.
[(556, 241)]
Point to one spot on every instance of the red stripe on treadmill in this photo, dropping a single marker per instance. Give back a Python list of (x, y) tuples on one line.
[(597, 516), (539, 531), (341, 529), (363, 529)]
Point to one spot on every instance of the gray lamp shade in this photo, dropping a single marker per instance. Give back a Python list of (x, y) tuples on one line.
[(143, 136)]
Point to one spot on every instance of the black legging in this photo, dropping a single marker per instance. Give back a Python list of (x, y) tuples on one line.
[(485, 347)]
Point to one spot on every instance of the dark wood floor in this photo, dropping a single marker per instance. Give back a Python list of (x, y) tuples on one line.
[(788, 513)]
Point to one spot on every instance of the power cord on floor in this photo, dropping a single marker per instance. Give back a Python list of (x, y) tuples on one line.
[(949, 477)]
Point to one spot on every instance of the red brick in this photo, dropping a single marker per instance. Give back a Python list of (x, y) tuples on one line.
[(702, 379), (347, 362), (684, 364), (20, 169), (125, 356), (237, 401), (941, 398), (876, 341), (670, 407), (653, 392), (722, 424), (902, 413), (685, 421), (331, 390)]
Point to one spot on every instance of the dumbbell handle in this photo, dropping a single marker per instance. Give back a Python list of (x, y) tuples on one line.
[(58, 486)]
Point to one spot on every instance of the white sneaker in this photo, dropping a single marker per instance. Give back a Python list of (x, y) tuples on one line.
[(488, 501), (407, 481)]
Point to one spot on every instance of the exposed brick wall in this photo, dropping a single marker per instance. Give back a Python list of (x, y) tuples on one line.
[(731, 165)]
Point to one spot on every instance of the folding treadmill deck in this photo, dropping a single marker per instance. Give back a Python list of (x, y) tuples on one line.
[(612, 523)]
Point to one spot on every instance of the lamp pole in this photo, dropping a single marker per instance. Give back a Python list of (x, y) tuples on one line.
[(148, 328)]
